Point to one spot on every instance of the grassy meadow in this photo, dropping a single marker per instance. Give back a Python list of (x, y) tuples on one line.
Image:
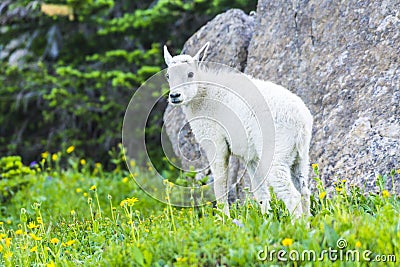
[(84, 216)]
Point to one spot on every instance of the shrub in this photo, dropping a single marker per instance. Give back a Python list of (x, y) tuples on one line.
[(13, 176)]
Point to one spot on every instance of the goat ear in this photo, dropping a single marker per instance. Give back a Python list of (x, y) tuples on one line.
[(167, 56), (201, 55)]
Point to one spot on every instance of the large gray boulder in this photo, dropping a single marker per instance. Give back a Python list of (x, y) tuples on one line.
[(343, 60), (229, 35)]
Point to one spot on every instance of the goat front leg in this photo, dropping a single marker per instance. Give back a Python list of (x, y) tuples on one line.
[(258, 172), (219, 158), (220, 171)]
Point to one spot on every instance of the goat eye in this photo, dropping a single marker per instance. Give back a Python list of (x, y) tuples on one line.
[(167, 76), (190, 74)]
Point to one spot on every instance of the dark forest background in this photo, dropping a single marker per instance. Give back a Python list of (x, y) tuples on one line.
[(68, 68)]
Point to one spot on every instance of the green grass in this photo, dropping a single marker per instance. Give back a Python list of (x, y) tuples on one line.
[(75, 217)]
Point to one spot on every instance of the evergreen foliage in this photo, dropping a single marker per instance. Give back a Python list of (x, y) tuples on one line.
[(68, 79)]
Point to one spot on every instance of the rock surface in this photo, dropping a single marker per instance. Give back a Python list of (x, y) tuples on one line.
[(342, 59)]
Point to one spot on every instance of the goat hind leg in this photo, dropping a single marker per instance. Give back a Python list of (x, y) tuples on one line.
[(304, 189), (279, 179)]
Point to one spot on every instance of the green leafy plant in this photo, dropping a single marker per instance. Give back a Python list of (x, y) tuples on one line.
[(14, 175)]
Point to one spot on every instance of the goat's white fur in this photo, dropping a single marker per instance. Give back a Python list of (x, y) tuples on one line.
[(288, 174)]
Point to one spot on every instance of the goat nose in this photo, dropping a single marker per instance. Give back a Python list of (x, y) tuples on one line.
[(176, 95)]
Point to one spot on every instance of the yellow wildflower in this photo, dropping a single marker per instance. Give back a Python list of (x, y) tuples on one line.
[(78, 190), (2, 236), (385, 193), (344, 181), (322, 195), (125, 180), (131, 201), (45, 154), (287, 242), (54, 157), (32, 225), (8, 255), (70, 243), (54, 240), (34, 249), (70, 149), (8, 221), (97, 165), (338, 189), (1, 248), (132, 163), (39, 220), (358, 244), (93, 188), (73, 212), (314, 165), (51, 264), (19, 232), (83, 161), (8, 242), (398, 171), (85, 194), (36, 238)]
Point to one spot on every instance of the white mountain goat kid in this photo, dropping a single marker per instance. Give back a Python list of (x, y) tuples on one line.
[(284, 165)]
